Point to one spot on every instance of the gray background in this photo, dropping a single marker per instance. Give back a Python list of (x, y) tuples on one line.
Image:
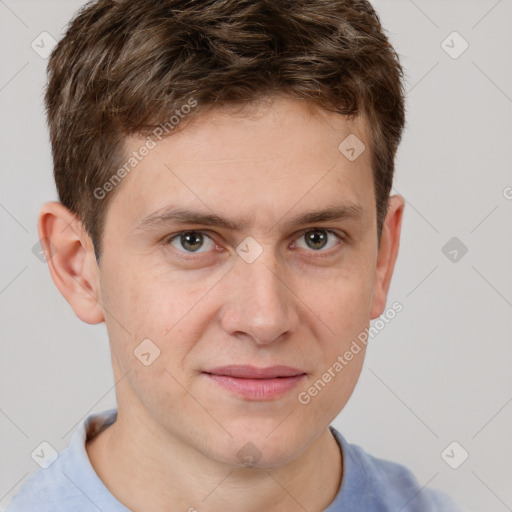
[(439, 372)]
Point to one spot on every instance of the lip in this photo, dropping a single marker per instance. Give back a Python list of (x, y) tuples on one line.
[(256, 383)]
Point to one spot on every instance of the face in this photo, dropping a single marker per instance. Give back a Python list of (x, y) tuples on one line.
[(241, 318)]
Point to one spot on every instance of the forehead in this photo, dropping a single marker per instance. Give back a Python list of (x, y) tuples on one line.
[(279, 156)]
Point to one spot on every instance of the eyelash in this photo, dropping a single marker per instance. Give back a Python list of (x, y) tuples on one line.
[(192, 255)]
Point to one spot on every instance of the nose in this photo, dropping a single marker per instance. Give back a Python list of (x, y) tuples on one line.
[(259, 302)]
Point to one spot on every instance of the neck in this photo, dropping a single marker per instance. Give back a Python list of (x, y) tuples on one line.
[(147, 474)]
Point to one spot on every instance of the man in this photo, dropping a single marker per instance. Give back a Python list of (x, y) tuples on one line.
[(263, 134)]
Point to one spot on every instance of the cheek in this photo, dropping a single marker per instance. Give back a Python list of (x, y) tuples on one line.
[(344, 302), (153, 305), (151, 329), (344, 306)]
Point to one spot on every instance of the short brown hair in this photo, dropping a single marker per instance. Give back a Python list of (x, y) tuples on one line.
[(125, 66)]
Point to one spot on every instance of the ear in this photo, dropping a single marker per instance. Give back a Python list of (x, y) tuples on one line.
[(69, 253), (387, 254)]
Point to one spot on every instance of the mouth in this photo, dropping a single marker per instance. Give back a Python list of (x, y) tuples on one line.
[(254, 383)]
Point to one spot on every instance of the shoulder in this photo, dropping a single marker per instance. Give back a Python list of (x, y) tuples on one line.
[(384, 485), (69, 482), (399, 487), (43, 490)]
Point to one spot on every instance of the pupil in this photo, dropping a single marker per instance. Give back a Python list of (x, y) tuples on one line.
[(193, 240), (316, 237)]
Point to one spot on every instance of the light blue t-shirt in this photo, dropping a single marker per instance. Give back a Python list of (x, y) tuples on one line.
[(369, 484)]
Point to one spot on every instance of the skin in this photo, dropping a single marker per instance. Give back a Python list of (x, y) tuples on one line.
[(178, 433)]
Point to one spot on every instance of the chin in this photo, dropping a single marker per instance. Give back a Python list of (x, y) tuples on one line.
[(258, 449)]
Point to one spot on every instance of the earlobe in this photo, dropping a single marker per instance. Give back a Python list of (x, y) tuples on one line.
[(387, 254), (70, 256)]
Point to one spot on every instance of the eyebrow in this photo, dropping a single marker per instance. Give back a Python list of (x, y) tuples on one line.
[(176, 216)]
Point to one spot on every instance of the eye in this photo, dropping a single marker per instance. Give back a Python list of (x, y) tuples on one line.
[(318, 239), (191, 241)]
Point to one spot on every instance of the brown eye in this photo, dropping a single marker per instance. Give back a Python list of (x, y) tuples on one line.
[(319, 240), (191, 241), (316, 239)]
